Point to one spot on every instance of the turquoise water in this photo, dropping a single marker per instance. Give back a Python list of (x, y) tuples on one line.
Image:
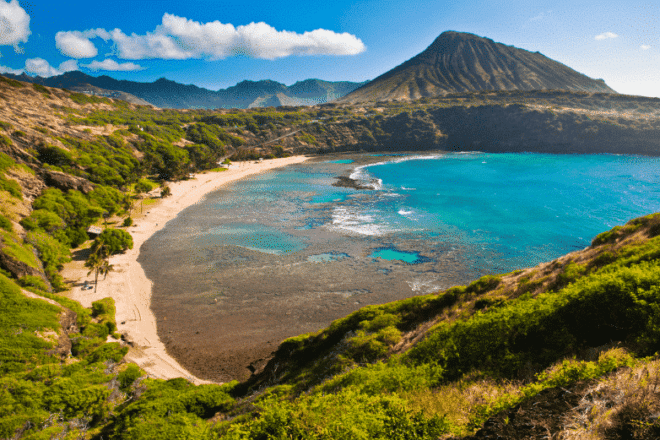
[(393, 254), (508, 210), (525, 208), (286, 252), (430, 221), (342, 161)]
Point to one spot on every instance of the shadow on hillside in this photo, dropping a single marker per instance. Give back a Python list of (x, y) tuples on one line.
[(81, 254)]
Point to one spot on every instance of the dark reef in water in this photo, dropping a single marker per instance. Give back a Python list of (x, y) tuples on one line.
[(347, 182)]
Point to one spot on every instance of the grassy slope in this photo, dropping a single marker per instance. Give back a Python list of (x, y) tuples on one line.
[(424, 367)]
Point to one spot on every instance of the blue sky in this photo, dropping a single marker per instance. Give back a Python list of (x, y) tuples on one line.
[(216, 44)]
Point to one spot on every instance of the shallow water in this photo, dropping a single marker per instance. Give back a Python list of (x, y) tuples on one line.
[(286, 252)]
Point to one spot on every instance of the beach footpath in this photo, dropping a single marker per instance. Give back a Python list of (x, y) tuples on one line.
[(128, 285)]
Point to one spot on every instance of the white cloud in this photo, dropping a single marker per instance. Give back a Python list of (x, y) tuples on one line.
[(5, 69), (179, 38), (40, 67), (14, 24), (112, 65), (69, 66), (75, 45), (606, 35), (151, 45), (645, 47)]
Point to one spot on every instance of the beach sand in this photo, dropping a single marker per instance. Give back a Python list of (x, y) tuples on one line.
[(128, 284)]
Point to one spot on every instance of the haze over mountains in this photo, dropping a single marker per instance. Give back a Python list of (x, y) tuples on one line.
[(170, 94), (460, 62)]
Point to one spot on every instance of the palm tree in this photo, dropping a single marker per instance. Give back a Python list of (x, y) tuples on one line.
[(94, 263), (106, 267), (98, 262)]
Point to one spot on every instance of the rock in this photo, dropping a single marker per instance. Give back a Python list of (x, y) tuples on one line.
[(15, 267), (66, 182), (31, 185)]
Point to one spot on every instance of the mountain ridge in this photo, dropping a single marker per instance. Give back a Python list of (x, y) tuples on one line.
[(166, 93), (459, 62)]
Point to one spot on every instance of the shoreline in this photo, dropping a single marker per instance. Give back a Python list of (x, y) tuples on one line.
[(128, 284)]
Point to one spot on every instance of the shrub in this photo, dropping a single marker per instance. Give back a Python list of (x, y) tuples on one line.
[(41, 89), (116, 241), (12, 187), (129, 376), (6, 224), (33, 283), (11, 82)]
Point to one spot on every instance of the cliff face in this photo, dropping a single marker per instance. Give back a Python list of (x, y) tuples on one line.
[(460, 62)]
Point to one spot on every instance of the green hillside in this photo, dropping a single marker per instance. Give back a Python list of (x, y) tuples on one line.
[(468, 361)]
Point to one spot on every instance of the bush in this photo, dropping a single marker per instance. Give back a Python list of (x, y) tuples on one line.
[(6, 224), (33, 283), (116, 241), (129, 376), (128, 221)]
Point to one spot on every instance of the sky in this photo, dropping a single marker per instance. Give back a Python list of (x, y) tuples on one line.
[(216, 44)]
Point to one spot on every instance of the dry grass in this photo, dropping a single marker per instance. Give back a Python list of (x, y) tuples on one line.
[(457, 401), (624, 405)]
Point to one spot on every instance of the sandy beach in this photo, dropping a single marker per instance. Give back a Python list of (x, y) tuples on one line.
[(128, 284)]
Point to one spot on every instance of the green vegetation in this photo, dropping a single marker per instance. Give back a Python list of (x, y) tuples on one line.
[(43, 90), (424, 367), (11, 82), (82, 99), (487, 348), (7, 184)]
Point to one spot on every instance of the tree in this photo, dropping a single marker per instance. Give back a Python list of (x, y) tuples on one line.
[(108, 243), (95, 262), (140, 188), (106, 267), (115, 241)]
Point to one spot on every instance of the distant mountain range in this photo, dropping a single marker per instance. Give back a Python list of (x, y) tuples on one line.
[(170, 94), (460, 62)]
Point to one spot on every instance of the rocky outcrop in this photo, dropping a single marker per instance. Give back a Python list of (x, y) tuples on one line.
[(17, 268), (66, 182)]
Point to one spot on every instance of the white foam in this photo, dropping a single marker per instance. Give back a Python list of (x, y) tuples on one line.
[(404, 213), (424, 286), (345, 220), (362, 175)]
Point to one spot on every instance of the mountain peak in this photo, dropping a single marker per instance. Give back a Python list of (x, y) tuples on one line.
[(459, 62)]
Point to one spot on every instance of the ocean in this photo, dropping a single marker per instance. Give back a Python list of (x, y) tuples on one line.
[(286, 252)]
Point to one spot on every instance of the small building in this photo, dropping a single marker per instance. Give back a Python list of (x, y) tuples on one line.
[(94, 231)]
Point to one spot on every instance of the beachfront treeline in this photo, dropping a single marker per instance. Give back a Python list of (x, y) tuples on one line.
[(425, 367)]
